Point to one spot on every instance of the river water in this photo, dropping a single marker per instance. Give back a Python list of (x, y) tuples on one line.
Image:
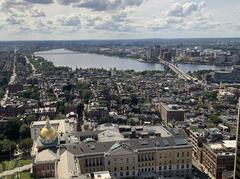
[(63, 57)]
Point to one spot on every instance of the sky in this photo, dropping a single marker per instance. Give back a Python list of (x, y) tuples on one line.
[(118, 19)]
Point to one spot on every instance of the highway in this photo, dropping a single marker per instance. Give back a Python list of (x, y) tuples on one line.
[(181, 74)]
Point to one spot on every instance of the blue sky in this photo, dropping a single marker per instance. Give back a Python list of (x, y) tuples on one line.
[(118, 19)]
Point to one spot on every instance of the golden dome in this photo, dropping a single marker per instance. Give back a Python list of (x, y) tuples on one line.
[(48, 134)]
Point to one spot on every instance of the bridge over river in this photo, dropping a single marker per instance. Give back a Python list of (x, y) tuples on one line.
[(181, 74)]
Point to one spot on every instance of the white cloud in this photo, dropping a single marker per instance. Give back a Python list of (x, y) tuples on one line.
[(104, 18), (71, 20), (185, 9), (10, 6), (39, 1), (35, 12), (67, 2), (14, 21), (106, 5)]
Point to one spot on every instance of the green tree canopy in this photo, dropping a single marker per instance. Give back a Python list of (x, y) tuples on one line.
[(25, 131), (7, 147), (12, 129), (25, 145)]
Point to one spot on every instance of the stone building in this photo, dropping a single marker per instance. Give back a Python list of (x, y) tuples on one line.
[(70, 155)]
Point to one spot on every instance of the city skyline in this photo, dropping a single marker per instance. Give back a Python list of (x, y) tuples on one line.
[(117, 19)]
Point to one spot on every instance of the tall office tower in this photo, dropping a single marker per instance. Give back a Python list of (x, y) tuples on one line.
[(157, 49), (148, 53), (237, 155)]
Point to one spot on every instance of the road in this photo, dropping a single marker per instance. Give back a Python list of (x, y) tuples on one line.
[(12, 80), (180, 72), (28, 62), (16, 170)]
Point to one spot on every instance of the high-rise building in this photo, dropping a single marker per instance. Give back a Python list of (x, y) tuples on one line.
[(151, 53), (157, 49), (237, 154)]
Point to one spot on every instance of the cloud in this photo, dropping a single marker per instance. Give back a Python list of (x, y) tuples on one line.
[(164, 22), (71, 20), (185, 16), (67, 2), (14, 21), (11, 6), (185, 9), (40, 1), (118, 22), (34, 12), (105, 5)]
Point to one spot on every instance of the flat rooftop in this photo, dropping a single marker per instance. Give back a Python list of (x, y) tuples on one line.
[(226, 147)]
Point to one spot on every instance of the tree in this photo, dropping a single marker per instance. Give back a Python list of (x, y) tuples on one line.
[(1, 93), (131, 122), (60, 107), (7, 147), (12, 129), (103, 120), (25, 145), (30, 118), (80, 109), (134, 99), (86, 127), (210, 95), (215, 119), (24, 131)]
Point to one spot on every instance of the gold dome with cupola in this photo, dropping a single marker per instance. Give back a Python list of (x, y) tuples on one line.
[(48, 134)]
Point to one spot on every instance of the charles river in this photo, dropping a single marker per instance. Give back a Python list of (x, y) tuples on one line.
[(63, 57)]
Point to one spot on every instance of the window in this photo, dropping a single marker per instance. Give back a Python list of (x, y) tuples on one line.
[(160, 167), (182, 166), (187, 166), (127, 160), (178, 154), (108, 162), (127, 173), (121, 174)]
